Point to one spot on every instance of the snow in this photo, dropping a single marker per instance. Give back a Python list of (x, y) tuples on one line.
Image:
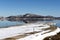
[(19, 30), (38, 36)]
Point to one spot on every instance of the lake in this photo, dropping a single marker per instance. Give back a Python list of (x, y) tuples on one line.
[(4, 24), (57, 22)]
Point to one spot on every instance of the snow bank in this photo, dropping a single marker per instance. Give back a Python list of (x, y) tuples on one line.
[(38, 36), (18, 30)]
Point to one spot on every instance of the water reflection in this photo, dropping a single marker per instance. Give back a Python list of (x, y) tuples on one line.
[(6, 23)]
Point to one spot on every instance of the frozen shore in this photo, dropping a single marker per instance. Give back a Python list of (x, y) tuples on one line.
[(35, 27), (39, 36)]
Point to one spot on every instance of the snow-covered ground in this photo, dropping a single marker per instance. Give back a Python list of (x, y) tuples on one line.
[(39, 36), (20, 30)]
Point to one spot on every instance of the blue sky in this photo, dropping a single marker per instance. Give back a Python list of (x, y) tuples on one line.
[(40, 7)]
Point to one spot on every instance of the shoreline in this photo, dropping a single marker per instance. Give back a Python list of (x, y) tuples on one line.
[(29, 30)]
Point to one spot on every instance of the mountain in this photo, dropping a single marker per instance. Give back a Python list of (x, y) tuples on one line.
[(31, 17)]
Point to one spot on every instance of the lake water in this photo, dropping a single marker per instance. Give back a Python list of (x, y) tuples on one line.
[(5, 23), (57, 22)]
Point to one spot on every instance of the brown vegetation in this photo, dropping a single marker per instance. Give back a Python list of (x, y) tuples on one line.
[(10, 39), (51, 28), (20, 36), (55, 37)]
